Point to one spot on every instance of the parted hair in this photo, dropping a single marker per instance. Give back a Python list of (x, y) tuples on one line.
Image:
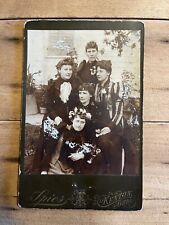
[(87, 87)]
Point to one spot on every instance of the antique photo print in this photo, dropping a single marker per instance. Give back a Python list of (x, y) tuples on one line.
[(82, 115)]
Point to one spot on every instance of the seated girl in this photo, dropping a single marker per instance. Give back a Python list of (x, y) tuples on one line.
[(98, 118), (74, 154)]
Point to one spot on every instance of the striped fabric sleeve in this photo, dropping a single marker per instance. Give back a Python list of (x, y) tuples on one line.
[(116, 87), (117, 117)]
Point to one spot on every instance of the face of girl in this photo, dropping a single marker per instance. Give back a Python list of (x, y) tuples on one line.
[(84, 97), (78, 123), (65, 72), (91, 54), (102, 74)]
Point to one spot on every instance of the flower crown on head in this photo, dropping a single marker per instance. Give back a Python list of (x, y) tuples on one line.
[(82, 113)]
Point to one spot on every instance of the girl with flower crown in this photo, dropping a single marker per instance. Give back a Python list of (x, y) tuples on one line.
[(74, 154)]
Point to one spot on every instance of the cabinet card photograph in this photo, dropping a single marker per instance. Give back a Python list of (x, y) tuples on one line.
[(81, 138)]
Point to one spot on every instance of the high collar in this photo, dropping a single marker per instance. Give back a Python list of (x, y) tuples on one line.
[(60, 81), (92, 63), (105, 83)]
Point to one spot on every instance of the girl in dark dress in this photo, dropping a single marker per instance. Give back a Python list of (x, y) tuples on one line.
[(98, 118), (74, 154), (60, 96)]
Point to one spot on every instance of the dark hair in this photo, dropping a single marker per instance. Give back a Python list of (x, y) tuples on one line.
[(105, 64), (87, 87), (91, 44), (66, 61)]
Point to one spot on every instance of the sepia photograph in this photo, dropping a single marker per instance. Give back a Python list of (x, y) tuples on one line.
[(83, 106)]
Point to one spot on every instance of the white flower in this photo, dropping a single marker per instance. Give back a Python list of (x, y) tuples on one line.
[(88, 116), (104, 91)]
